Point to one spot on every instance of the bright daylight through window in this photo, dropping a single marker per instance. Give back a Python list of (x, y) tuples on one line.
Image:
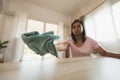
[(41, 27)]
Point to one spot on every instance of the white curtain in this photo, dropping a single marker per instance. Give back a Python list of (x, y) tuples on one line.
[(100, 25), (116, 11), (61, 31), (20, 23), (64, 31), (14, 51)]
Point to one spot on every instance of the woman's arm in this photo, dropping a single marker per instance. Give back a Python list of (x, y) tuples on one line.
[(102, 52), (61, 46)]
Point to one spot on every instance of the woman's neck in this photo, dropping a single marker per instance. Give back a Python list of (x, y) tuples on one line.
[(79, 42), (79, 39)]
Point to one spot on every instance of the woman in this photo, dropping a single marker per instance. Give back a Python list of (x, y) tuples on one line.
[(82, 45)]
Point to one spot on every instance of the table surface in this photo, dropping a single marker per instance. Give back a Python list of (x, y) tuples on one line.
[(82, 68)]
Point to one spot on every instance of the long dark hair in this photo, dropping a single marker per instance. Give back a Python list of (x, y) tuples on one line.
[(83, 35)]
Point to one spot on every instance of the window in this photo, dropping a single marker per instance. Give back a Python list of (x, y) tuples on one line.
[(34, 25), (51, 27), (116, 16), (100, 24), (41, 27), (103, 23)]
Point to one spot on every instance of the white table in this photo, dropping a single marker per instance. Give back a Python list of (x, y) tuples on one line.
[(82, 68)]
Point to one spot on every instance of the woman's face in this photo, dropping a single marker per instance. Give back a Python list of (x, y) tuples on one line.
[(76, 29)]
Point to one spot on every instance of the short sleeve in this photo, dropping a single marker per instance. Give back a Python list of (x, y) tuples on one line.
[(95, 44)]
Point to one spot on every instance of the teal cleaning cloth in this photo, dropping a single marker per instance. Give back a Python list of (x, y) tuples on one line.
[(41, 43)]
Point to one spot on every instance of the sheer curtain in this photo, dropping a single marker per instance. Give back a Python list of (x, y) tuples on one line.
[(116, 11), (20, 23), (100, 26), (16, 26), (61, 31)]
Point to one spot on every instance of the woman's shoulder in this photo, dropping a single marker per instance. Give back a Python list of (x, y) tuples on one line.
[(90, 39)]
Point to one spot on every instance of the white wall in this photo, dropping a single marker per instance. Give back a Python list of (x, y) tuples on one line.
[(0, 25), (1, 5), (4, 6)]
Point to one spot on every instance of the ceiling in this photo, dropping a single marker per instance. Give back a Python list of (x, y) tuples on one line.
[(67, 7)]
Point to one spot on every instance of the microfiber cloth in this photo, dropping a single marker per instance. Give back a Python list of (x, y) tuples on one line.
[(41, 43)]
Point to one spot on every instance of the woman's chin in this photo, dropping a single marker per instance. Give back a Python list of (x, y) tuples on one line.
[(77, 34)]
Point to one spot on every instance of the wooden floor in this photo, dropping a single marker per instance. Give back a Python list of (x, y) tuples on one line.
[(82, 68)]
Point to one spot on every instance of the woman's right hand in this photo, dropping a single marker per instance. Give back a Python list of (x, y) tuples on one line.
[(61, 46), (69, 42)]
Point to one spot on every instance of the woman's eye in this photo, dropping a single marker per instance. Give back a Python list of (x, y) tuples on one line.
[(78, 26), (74, 26)]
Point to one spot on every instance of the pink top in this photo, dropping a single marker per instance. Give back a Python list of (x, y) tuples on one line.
[(85, 50)]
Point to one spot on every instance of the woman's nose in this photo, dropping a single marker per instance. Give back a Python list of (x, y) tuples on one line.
[(76, 28)]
